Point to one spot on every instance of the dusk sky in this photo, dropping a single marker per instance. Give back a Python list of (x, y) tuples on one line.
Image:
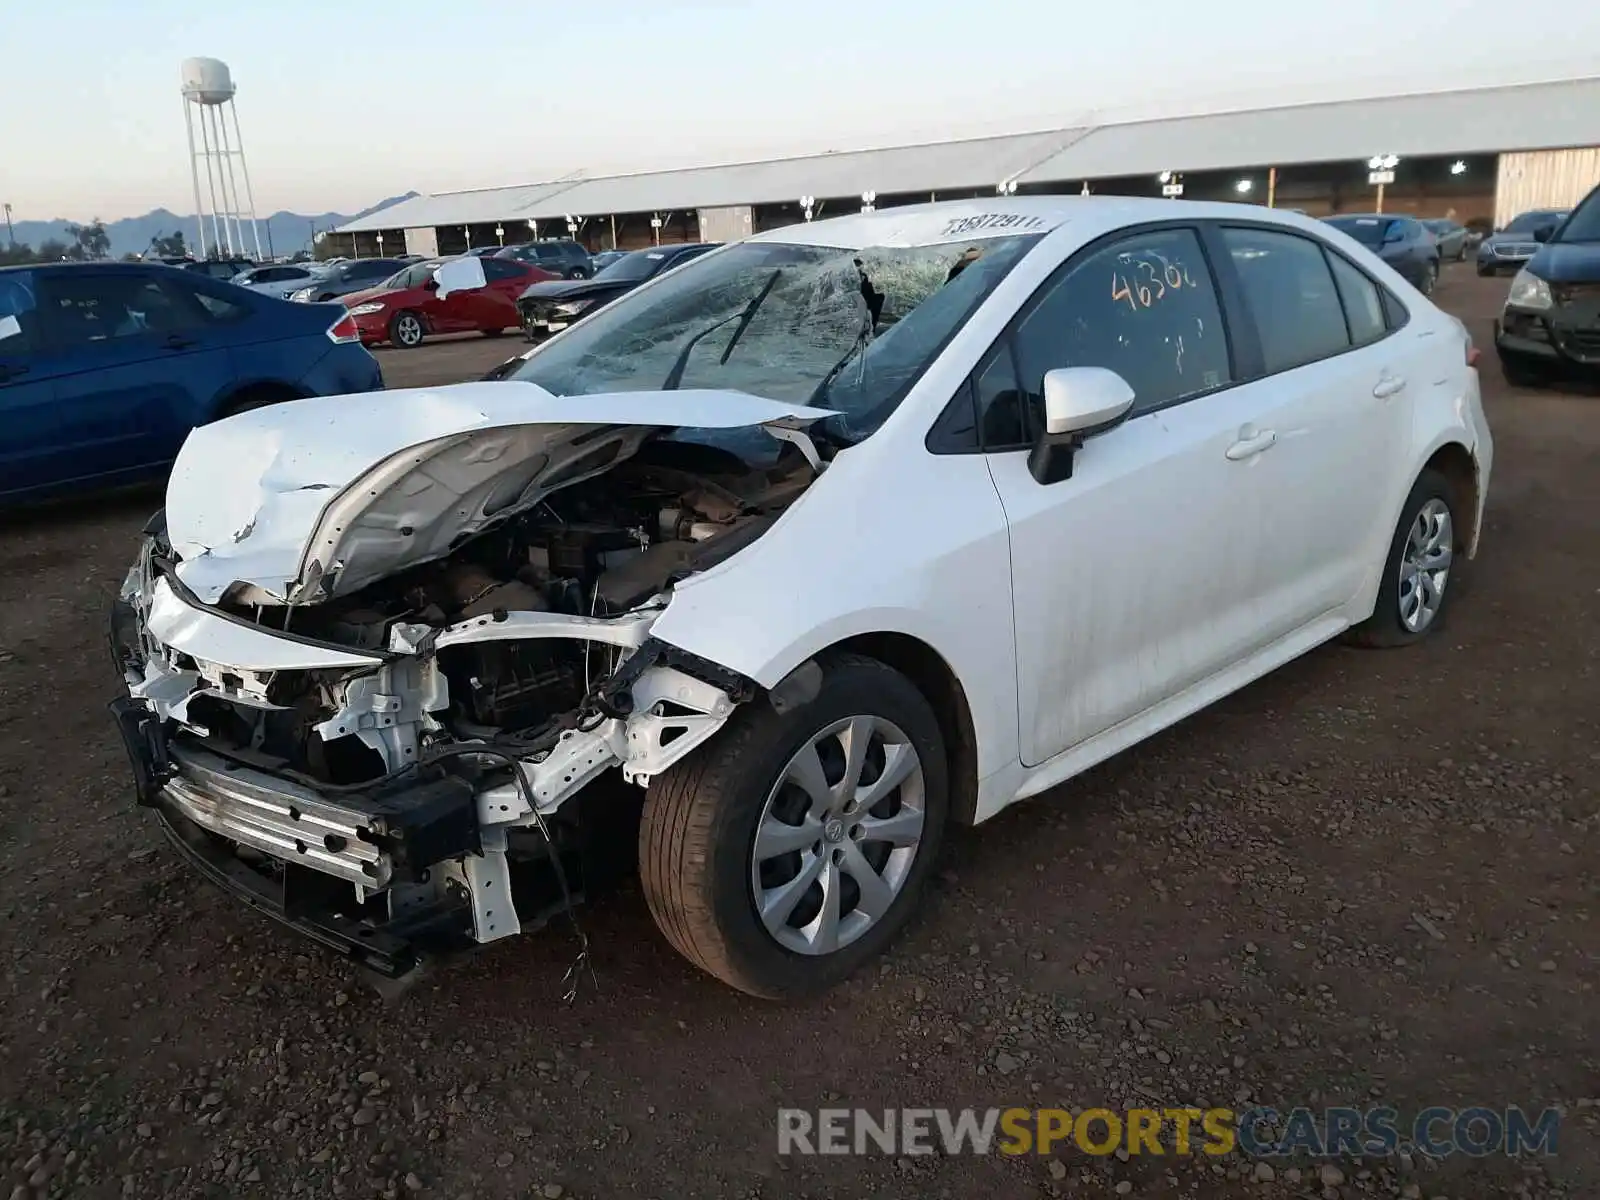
[(342, 105)]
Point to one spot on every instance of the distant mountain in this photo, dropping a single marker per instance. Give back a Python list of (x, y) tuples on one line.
[(281, 233)]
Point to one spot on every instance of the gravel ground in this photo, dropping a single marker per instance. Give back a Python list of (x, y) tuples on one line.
[(1365, 879)]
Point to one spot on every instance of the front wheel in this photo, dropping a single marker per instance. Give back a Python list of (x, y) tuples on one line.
[(1519, 376), (405, 330), (1417, 568), (794, 846), (1430, 279)]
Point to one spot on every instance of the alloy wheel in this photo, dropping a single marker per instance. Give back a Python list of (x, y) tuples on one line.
[(838, 835), (1425, 565), (409, 330)]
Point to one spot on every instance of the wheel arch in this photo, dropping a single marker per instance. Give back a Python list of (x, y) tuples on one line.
[(927, 669), (1456, 463), (255, 392)]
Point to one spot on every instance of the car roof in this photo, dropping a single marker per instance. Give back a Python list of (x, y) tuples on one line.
[(948, 221)]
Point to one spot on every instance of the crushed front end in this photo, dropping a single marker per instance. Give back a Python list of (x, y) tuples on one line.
[(393, 772)]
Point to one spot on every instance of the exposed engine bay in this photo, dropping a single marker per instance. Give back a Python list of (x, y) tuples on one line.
[(602, 548)]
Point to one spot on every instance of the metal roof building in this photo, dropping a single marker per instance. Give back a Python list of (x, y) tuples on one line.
[(1540, 116), (1497, 120)]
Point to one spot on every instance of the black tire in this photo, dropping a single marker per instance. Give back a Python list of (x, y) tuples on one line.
[(254, 398), (697, 835), (406, 330), (1430, 279), (1520, 376), (578, 273), (1385, 629)]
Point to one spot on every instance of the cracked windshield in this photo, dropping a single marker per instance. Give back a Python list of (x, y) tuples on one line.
[(850, 330)]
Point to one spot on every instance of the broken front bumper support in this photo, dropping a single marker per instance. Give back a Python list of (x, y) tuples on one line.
[(298, 898)]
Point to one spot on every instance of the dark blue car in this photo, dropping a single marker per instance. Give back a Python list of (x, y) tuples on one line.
[(106, 367), (1405, 243)]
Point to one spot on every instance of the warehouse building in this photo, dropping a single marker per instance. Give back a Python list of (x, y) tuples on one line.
[(1476, 154)]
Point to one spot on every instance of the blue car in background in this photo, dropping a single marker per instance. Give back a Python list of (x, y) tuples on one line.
[(106, 367), (1405, 243)]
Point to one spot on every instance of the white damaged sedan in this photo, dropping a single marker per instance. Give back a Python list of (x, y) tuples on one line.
[(826, 540)]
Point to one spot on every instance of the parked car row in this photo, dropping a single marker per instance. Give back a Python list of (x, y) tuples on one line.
[(547, 308), (410, 305), (105, 368)]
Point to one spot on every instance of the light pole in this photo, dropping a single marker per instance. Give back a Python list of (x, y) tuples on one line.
[(500, 234), (1380, 171), (11, 234), (655, 228), (807, 204)]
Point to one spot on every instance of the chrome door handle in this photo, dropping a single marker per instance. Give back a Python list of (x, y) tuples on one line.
[(1388, 386), (1251, 446)]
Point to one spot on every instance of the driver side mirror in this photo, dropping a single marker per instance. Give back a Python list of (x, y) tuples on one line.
[(1079, 402)]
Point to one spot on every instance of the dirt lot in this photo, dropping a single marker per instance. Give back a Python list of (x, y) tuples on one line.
[(1367, 879)]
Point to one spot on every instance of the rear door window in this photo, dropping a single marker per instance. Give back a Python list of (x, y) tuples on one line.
[(1363, 303), (1291, 294), (83, 308)]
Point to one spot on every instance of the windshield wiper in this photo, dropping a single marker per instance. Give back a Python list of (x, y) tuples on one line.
[(744, 316)]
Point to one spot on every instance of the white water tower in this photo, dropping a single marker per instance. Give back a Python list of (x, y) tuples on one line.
[(208, 100)]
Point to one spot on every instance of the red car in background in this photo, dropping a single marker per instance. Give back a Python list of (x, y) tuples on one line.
[(406, 307)]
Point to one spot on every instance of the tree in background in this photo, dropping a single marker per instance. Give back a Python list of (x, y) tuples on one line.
[(171, 246), (88, 241)]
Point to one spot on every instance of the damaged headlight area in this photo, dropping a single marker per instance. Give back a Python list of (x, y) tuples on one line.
[(397, 768)]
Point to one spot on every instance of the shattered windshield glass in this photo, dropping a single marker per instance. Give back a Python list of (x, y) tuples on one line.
[(845, 329)]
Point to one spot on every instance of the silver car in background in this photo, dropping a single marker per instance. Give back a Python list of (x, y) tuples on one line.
[(352, 275), (281, 279)]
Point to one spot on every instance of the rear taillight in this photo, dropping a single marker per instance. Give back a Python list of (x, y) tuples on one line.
[(344, 330)]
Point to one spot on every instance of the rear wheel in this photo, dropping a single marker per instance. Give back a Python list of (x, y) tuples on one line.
[(1417, 568), (1430, 279), (405, 330), (257, 397), (794, 846)]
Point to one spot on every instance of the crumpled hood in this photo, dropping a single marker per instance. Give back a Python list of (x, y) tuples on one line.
[(317, 498)]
